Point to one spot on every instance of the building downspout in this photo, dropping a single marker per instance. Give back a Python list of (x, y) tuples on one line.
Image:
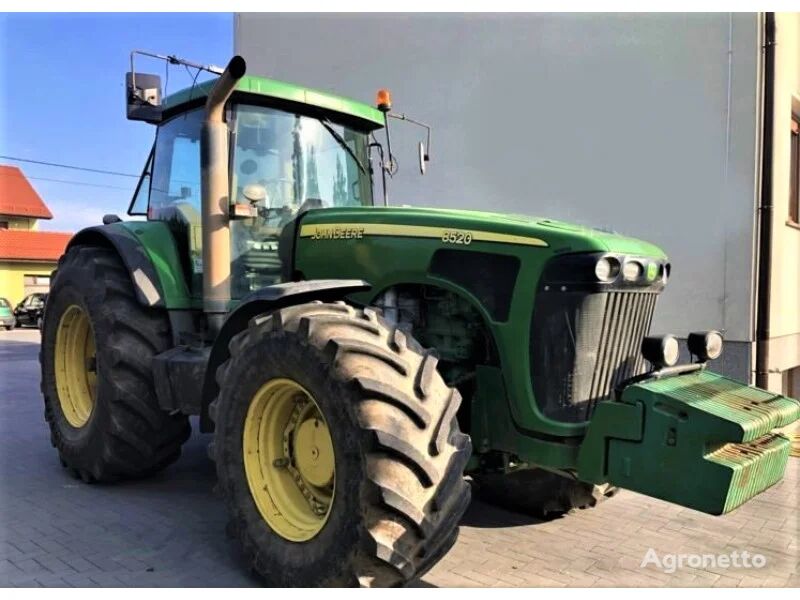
[(765, 210), (215, 200)]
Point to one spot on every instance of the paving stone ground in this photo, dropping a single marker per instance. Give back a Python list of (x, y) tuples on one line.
[(169, 530)]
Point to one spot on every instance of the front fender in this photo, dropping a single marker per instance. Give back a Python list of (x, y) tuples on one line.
[(261, 301)]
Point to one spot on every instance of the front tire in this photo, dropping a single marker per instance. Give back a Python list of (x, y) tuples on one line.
[(97, 346), (389, 508)]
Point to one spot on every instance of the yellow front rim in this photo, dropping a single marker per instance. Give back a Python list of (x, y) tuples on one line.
[(289, 460), (76, 368)]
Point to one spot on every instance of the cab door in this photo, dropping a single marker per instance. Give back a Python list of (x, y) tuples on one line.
[(169, 190)]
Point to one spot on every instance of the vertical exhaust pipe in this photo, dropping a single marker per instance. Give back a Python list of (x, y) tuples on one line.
[(215, 200)]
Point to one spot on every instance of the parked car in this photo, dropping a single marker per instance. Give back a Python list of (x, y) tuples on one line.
[(7, 318), (30, 311)]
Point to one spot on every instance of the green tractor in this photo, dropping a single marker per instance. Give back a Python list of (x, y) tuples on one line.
[(354, 362)]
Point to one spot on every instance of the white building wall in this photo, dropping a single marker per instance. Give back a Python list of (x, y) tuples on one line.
[(645, 124), (785, 293)]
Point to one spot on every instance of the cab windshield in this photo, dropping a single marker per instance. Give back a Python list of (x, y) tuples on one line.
[(283, 162)]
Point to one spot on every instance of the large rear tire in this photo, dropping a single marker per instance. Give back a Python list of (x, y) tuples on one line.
[(539, 493), (97, 347), (386, 506)]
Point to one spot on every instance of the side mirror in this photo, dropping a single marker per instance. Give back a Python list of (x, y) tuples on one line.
[(423, 158), (143, 97)]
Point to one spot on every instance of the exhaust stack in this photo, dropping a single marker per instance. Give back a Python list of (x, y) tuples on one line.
[(215, 200)]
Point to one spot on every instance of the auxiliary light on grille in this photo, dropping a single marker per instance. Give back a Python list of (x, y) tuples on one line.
[(705, 345), (660, 350)]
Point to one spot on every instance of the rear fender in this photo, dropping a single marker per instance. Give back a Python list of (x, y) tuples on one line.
[(150, 255)]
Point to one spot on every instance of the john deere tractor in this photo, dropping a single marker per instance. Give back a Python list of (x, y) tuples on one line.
[(354, 362)]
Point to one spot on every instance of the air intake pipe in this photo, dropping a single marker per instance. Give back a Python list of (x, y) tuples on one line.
[(215, 200)]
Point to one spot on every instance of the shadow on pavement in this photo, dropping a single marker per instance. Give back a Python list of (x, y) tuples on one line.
[(483, 515)]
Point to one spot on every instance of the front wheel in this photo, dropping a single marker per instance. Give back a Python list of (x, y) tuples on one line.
[(337, 449)]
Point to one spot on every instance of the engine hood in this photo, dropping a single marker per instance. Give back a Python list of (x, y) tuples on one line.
[(560, 237)]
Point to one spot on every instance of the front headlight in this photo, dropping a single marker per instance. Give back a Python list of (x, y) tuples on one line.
[(665, 269), (606, 269), (632, 270)]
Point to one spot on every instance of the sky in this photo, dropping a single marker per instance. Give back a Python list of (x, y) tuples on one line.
[(62, 99)]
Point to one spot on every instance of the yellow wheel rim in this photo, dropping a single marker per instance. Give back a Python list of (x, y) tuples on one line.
[(289, 459), (76, 366)]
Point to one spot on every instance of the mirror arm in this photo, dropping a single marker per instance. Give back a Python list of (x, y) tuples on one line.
[(404, 117), (171, 59)]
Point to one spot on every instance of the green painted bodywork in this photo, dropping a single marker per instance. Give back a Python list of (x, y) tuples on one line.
[(699, 440), (159, 244), (386, 261), (370, 117)]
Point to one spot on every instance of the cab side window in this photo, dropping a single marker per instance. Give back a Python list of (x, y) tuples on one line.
[(176, 168)]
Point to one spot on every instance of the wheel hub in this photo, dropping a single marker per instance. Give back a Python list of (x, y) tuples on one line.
[(313, 451)]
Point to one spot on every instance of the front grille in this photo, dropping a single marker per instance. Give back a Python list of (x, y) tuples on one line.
[(583, 344)]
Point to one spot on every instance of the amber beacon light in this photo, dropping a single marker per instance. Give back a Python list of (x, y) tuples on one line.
[(383, 99)]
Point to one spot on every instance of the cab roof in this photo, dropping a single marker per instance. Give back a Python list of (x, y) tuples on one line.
[(371, 117)]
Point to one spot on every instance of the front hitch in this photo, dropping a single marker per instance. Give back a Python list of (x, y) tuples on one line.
[(691, 437)]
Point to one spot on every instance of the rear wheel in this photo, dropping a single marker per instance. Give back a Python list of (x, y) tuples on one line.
[(337, 449), (539, 493), (97, 346)]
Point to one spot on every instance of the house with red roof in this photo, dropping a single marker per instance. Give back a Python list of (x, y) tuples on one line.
[(27, 256)]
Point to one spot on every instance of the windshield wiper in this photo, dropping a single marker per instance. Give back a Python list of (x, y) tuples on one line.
[(326, 124)]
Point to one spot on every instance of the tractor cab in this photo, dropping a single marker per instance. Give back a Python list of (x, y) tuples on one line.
[(286, 157)]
